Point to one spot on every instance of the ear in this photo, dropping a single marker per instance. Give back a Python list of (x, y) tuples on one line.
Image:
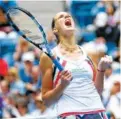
[(55, 31)]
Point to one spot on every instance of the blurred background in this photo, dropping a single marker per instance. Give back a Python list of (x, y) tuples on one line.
[(97, 31)]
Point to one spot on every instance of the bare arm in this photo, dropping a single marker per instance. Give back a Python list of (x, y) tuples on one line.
[(102, 66), (99, 81), (17, 54), (50, 94)]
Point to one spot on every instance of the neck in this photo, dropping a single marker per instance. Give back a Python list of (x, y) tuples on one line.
[(68, 44), (68, 41)]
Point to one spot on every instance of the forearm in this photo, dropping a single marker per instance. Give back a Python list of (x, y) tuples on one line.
[(99, 82), (17, 56), (53, 95), (104, 63)]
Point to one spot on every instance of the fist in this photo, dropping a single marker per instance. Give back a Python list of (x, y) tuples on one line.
[(65, 77), (105, 62)]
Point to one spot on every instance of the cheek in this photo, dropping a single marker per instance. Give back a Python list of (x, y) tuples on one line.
[(60, 24), (73, 24)]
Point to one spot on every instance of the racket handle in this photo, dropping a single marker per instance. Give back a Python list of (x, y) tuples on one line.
[(57, 64)]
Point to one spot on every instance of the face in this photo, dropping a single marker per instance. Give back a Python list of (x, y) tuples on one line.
[(4, 87), (28, 65), (64, 23), (22, 109), (35, 73), (11, 77), (116, 88)]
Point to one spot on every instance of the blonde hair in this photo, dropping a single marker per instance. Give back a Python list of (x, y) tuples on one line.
[(13, 71)]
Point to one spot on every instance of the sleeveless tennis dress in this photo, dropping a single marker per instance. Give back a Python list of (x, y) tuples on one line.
[(80, 97)]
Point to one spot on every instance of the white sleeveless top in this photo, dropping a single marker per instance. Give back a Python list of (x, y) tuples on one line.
[(80, 96)]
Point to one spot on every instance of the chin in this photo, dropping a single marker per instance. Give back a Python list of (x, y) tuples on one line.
[(69, 28), (69, 32)]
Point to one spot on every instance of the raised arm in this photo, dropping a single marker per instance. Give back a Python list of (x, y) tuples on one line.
[(51, 94), (102, 66)]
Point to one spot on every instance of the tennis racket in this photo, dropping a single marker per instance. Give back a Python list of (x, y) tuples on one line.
[(28, 27)]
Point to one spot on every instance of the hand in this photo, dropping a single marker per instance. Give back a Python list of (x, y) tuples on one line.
[(65, 77), (104, 63), (29, 86)]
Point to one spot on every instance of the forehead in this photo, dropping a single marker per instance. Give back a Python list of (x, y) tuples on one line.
[(61, 13)]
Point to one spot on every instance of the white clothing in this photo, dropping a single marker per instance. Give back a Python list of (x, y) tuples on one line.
[(80, 95)]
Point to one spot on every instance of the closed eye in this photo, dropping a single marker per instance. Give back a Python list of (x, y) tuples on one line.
[(68, 16), (61, 16)]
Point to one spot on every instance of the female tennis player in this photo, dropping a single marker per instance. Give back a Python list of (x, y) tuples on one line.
[(74, 92)]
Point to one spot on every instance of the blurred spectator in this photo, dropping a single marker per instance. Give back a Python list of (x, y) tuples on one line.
[(22, 47), (4, 89), (111, 88), (3, 69), (4, 92), (41, 109), (3, 20), (39, 105), (95, 49), (16, 85), (35, 85), (22, 106), (110, 10), (1, 107), (8, 37), (116, 87), (110, 33), (9, 109), (6, 4), (31, 100), (26, 69), (8, 43), (117, 15), (99, 7), (114, 105), (101, 19), (116, 53)]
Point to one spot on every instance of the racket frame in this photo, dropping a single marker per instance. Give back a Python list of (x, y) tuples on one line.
[(49, 53)]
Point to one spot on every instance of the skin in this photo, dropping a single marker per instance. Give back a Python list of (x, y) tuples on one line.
[(67, 41)]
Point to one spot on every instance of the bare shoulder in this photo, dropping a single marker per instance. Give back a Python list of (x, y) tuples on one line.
[(46, 62), (44, 57)]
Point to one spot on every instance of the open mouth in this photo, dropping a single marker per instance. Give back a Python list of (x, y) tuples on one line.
[(68, 22)]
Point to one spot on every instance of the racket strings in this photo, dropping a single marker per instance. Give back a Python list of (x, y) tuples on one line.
[(27, 26)]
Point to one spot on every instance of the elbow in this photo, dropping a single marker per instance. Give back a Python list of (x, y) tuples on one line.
[(46, 100)]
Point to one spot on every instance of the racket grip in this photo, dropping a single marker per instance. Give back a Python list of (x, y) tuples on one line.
[(57, 64)]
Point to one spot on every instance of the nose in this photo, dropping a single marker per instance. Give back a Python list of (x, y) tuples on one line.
[(66, 17)]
